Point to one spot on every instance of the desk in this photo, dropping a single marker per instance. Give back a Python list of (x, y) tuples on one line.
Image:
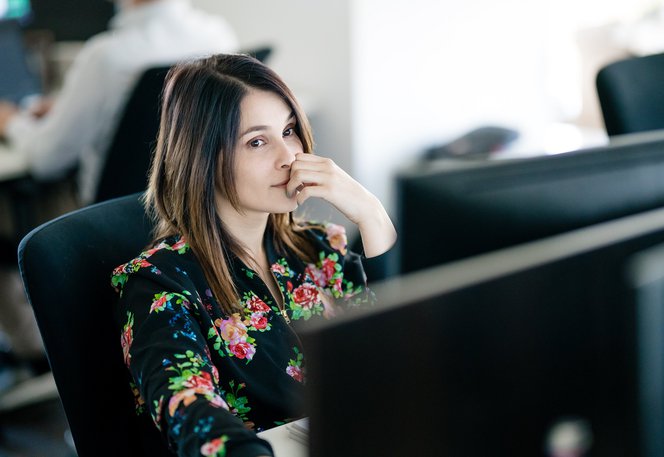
[(638, 137), (282, 444), (12, 164)]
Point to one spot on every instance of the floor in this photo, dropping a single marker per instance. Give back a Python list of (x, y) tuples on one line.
[(37, 430)]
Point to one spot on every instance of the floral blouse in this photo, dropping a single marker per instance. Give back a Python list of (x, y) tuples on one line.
[(210, 380)]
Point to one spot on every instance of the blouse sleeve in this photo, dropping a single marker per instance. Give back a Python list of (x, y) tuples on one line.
[(338, 271), (165, 351)]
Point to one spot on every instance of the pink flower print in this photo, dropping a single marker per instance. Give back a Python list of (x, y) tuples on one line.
[(336, 236), (329, 268), (196, 385), (323, 276), (316, 275), (306, 295), (215, 373), (126, 340), (127, 337), (181, 243), (233, 330), (159, 304), (243, 350), (258, 321), (278, 268), (257, 305), (202, 382), (215, 447), (295, 373), (186, 396)]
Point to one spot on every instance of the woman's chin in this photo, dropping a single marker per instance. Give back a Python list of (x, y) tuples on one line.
[(287, 207)]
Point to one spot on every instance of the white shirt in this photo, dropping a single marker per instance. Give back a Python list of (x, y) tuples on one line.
[(80, 126)]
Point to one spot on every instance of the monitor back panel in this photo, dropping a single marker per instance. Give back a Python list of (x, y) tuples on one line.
[(493, 367)]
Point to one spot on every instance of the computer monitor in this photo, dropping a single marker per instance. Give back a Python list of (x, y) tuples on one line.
[(14, 9), (447, 214), (647, 278), (504, 354), (71, 20), (18, 79)]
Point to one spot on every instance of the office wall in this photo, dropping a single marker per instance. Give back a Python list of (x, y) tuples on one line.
[(383, 80), (425, 71)]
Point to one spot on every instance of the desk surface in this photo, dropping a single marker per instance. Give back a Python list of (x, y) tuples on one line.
[(12, 164), (282, 444)]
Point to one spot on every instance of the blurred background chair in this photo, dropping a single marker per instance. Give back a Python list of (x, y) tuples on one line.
[(66, 266), (631, 94), (128, 159), (127, 162), (125, 168)]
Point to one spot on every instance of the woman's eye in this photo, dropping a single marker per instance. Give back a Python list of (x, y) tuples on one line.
[(289, 131), (256, 143)]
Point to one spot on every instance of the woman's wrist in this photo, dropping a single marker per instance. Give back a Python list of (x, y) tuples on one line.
[(377, 231)]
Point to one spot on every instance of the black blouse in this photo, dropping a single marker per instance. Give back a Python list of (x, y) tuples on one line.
[(211, 380)]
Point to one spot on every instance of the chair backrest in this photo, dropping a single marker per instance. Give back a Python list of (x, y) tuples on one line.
[(128, 158), (631, 94), (66, 265)]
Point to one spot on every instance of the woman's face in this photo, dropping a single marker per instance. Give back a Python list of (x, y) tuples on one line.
[(266, 147)]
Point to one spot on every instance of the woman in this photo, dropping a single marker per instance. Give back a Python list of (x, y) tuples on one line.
[(207, 312)]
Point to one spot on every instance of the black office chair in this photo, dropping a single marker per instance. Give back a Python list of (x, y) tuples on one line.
[(631, 94), (66, 266), (127, 161)]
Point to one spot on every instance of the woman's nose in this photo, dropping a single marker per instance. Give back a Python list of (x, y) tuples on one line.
[(286, 155)]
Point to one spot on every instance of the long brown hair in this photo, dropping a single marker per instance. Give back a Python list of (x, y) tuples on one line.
[(195, 155)]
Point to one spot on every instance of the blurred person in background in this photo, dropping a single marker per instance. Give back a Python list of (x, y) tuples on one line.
[(74, 129)]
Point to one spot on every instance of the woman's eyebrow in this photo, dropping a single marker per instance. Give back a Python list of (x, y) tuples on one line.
[(255, 128), (258, 128)]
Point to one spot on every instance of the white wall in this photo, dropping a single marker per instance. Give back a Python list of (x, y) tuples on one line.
[(425, 71), (386, 79)]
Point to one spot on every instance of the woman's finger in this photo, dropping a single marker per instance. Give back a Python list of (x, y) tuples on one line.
[(304, 178), (319, 163), (309, 157)]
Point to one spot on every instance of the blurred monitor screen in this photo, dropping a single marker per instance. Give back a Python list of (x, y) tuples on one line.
[(71, 20), (18, 80), (445, 214), (14, 9)]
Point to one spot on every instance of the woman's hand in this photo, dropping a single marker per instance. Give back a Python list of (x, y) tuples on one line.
[(7, 111), (41, 106), (315, 176)]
